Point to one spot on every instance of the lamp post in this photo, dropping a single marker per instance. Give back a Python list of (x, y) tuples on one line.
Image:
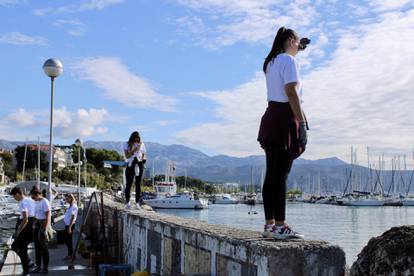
[(52, 68), (78, 143)]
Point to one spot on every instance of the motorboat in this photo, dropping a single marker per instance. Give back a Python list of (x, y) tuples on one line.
[(178, 201), (224, 199), (167, 197), (42, 185), (6, 199)]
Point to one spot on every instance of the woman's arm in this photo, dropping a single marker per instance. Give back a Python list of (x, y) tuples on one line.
[(72, 221), (294, 101), (127, 153), (25, 220), (47, 220)]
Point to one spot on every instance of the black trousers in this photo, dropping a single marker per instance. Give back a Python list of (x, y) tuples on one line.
[(278, 165), (21, 243), (41, 246), (68, 239), (130, 175)]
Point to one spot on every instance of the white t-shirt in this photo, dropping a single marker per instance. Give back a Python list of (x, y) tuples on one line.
[(72, 210), (27, 205), (138, 154), (42, 206), (280, 71)]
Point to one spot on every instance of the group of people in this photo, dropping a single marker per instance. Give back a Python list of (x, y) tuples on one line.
[(34, 225)]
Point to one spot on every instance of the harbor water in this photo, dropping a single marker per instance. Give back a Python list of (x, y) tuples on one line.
[(349, 227)]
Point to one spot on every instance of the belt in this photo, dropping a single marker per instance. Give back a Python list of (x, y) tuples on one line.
[(273, 103)]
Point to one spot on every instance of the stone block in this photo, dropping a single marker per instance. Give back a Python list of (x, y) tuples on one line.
[(172, 257), (197, 261), (232, 267)]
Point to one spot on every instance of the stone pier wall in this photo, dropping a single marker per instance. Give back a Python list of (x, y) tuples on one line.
[(169, 245)]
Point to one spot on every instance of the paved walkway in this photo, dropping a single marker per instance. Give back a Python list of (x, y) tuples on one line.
[(57, 267)]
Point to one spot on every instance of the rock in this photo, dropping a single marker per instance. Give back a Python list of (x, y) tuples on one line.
[(392, 253)]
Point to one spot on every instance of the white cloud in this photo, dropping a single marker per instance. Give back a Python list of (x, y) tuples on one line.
[(166, 122), (82, 7), (66, 124), (9, 2), (239, 112), (16, 38), (21, 118), (74, 27), (121, 85), (246, 21), (362, 96), (387, 5), (82, 123)]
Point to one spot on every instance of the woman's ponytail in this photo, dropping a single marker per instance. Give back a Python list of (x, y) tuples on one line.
[(278, 45)]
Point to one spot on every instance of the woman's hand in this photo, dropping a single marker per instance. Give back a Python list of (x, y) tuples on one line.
[(303, 135), (70, 230), (42, 234)]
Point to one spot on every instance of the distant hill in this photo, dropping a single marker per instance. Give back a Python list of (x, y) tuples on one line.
[(223, 168), (327, 174)]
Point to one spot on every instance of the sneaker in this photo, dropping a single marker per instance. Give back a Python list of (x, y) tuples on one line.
[(281, 232), (128, 206), (138, 206), (45, 271), (37, 269)]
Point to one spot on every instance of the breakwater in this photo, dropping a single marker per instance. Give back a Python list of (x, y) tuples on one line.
[(169, 245)]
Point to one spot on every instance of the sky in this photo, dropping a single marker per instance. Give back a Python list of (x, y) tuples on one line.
[(189, 72)]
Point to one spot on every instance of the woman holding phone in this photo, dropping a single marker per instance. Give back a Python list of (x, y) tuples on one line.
[(283, 128), (135, 153)]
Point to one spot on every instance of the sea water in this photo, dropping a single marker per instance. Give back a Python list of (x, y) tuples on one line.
[(347, 226)]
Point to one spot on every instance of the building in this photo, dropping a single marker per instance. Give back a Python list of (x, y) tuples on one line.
[(62, 156)]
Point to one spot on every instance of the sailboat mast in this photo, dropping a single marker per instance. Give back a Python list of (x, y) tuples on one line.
[(38, 162), (24, 160)]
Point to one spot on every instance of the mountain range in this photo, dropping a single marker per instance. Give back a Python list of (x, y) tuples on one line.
[(328, 174)]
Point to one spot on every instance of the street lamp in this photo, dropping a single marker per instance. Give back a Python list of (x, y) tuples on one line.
[(78, 143), (52, 68)]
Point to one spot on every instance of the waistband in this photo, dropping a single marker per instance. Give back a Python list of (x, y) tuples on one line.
[(274, 104)]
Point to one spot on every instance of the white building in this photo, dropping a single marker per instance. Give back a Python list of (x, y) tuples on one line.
[(61, 156)]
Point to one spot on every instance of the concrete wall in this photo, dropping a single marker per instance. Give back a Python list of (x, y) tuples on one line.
[(169, 245)]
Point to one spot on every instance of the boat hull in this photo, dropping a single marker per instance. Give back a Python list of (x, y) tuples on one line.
[(362, 203), (166, 203), (408, 202)]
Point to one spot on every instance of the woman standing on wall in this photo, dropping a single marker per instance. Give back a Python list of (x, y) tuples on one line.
[(135, 153), (283, 127)]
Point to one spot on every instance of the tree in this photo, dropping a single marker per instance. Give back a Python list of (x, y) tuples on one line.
[(31, 159), (8, 167), (97, 156)]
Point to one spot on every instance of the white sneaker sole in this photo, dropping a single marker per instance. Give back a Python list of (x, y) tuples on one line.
[(281, 237)]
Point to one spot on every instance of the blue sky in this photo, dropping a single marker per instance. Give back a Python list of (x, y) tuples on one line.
[(189, 72)]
